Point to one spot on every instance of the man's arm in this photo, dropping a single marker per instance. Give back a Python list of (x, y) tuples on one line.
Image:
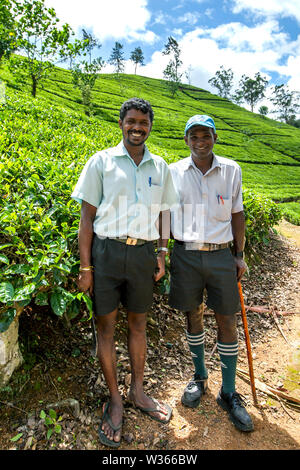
[(164, 235), (238, 231), (85, 239)]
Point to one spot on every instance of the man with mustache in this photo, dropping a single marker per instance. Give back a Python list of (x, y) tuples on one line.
[(209, 219), (123, 191)]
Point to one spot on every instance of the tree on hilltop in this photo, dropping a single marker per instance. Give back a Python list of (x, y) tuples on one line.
[(223, 81), (171, 72), (117, 58), (42, 42), (137, 57), (252, 89), (286, 103)]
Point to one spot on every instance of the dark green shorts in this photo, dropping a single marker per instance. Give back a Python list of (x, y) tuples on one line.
[(192, 271), (122, 273)]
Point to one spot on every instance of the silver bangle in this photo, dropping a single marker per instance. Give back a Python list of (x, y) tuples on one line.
[(162, 248)]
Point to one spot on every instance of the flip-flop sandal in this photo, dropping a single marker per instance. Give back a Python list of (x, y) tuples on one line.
[(152, 410), (103, 438)]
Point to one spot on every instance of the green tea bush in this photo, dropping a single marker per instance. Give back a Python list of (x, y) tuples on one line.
[(42, 150), (261, 214), (291, 212)]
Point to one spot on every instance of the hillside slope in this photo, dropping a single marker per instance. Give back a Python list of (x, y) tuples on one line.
[(268, 151)]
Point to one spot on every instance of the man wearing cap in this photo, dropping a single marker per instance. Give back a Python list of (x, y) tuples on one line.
[(123, 191), (209, 218)]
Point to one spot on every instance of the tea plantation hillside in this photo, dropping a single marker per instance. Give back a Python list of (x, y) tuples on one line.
[(44, 144), (268, 151)]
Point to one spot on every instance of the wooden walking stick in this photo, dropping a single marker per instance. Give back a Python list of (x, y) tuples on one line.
[(248, 345)]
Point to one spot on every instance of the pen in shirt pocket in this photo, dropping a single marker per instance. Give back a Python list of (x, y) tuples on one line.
[(150, 181), (220, 197)]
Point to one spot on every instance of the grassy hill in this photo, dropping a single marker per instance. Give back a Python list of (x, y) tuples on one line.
[(268, 151)]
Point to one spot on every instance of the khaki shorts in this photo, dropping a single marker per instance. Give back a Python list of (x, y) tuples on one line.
[(122, 273), (192, 271)]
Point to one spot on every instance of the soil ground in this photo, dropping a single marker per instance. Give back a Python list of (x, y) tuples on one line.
[(60, 373)]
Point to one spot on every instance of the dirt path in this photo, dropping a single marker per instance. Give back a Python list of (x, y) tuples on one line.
[(62, 368)]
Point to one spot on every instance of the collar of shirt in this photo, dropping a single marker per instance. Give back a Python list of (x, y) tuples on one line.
[(191, 164), (120, 151)]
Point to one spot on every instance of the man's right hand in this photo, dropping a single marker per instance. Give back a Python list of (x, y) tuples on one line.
[(85, 281)]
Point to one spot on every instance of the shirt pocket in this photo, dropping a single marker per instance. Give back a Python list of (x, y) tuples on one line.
[(223, 209), (155, 193)]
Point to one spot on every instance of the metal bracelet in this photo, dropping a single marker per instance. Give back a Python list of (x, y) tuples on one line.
[(162, 248)]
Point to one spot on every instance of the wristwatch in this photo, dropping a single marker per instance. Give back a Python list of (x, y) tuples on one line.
[(239, 254)]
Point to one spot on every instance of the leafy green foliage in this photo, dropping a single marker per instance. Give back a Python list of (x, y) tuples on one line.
[(7, 29), (51, 422), (41, 40), (39, 221), (223, 81), (291, 212), (253, 89), (260, 214)]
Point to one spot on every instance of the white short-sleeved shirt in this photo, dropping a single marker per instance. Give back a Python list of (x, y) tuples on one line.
[(128, 197), (206, 201)]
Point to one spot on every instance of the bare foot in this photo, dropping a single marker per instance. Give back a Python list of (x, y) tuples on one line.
[(143, 402), (115, 412)]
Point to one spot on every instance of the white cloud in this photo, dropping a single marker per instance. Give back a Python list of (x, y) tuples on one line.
[(190, 18), (282, 8), (246, 50), (113, 19)]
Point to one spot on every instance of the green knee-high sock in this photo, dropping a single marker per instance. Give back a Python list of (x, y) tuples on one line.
[(228, 354), (196, 345)]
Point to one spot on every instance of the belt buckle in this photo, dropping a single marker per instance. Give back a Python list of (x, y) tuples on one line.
[(131, 241)]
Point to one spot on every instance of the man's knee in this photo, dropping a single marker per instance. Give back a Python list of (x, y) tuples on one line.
[(106, 324), (194, 320), (227, 327), (137, 323)]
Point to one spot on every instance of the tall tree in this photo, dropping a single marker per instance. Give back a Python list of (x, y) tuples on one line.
[(237, 97), (137, 57), (117, 58), (42, 42), (8, 35), (286, 103), (253, 89), (223, 81), (171, 72), (90, 43), (84, 73)]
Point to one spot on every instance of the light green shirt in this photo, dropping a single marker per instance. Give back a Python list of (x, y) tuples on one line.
[(128, 197)]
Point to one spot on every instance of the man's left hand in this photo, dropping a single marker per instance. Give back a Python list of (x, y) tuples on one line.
[(241, 267), (160, 267)]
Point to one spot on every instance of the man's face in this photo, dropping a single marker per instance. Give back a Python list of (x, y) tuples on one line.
[(136, 127), (201, 140)]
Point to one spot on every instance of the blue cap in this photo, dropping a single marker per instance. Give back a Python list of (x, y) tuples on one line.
[(200, 120)]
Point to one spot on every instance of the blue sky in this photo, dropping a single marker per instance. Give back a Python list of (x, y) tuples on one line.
[(247, 36)]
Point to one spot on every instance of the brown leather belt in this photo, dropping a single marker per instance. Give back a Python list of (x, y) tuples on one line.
[(131, 241), (203, 246)]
